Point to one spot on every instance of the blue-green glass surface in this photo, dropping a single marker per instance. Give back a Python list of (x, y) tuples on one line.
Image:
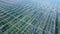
[(29, 16)]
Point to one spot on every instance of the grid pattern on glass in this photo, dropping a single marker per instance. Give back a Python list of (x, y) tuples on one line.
[(27, 18)]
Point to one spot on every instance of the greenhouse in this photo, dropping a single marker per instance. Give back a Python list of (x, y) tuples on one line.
[(29, 17)]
